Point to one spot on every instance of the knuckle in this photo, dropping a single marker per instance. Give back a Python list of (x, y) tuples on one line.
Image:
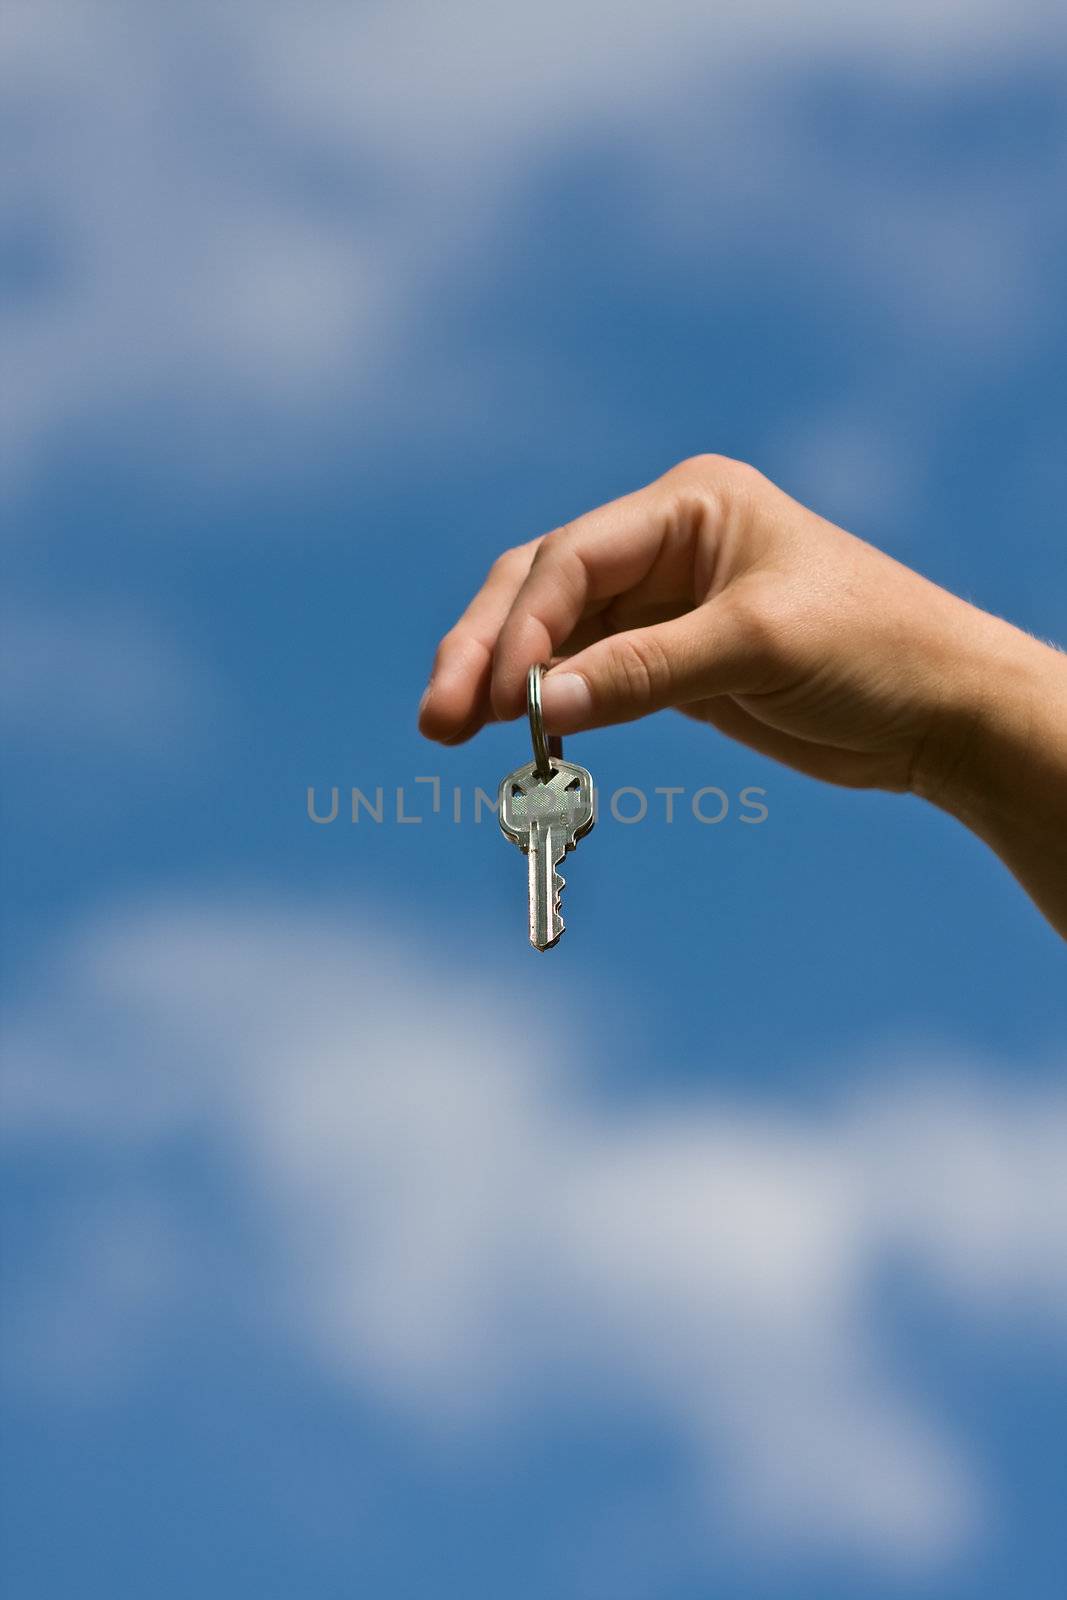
[(641, 669), (706, 464), (558, 560), (506, 563), (714, 471), (550, 545), (449, 643), (712, 488)]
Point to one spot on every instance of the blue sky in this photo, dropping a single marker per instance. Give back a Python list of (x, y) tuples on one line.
[(349, 1246)]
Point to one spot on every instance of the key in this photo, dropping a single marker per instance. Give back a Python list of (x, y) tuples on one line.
[(546, 819)]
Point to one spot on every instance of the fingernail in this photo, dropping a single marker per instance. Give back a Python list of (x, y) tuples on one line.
[(424, 702), (565, 700)]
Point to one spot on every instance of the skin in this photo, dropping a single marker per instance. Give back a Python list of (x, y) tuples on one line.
[(713, 592)]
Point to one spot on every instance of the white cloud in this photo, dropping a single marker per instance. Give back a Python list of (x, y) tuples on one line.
[(251, 215), (453, 1220)]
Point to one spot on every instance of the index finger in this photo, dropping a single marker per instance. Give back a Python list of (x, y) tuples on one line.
[(456, 702), (585, 563)]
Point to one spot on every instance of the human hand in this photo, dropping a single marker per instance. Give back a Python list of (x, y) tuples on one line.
[(714, 592)]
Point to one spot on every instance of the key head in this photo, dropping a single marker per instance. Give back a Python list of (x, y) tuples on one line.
[(565, 803)]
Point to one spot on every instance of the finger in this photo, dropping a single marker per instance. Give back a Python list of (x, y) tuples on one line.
[(456, 702), (589, 631), (578, 568), (704, 653)]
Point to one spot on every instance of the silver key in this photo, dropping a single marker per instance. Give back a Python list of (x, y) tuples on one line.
[(546, 818)]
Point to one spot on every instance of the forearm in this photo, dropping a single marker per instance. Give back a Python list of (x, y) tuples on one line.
[(1000, 762)]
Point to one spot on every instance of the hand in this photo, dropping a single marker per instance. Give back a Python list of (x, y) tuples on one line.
[(714, 592)]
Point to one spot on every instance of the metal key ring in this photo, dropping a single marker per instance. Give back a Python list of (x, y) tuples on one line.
[(544, 746)]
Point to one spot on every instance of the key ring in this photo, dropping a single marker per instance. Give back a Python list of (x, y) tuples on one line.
[(544, 746)]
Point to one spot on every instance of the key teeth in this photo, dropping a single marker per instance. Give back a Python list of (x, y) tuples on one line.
[(558, 882)]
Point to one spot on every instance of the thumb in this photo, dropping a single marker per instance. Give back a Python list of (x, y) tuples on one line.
[(632, 674)]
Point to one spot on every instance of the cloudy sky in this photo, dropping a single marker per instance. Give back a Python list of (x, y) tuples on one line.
[(348, 1245)]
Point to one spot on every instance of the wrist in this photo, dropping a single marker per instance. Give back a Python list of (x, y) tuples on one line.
[(996, 757), (1000, 724)]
